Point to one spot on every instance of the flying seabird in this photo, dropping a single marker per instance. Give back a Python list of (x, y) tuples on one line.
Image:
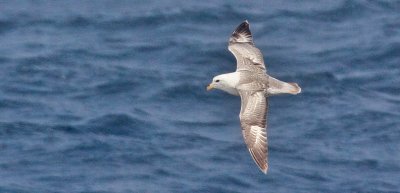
[(252, 83)]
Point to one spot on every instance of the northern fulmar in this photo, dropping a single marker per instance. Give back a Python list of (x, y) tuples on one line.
[(252, 83)]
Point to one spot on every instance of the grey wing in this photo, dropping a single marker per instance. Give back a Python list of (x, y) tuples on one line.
[(253, 115), (241, 45)]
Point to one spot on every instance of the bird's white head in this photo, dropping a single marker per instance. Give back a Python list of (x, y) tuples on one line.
[(226, 82)]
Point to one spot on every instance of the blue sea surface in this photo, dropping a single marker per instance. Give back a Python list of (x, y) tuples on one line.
[(109, 96)]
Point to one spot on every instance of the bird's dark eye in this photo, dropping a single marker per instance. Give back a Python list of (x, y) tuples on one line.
[(217, 81)]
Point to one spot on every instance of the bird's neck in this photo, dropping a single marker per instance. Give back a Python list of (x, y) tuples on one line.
[(232, 79)]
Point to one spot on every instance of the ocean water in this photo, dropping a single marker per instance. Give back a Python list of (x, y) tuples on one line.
[(109, 96)]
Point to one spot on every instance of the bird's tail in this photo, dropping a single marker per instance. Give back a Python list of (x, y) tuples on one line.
[(280, 87), (294, 88)]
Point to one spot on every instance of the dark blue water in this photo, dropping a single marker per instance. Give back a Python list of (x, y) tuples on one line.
[(109, 96)]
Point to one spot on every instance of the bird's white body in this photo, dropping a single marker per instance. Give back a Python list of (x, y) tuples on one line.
[(252, 83), (229, 83)]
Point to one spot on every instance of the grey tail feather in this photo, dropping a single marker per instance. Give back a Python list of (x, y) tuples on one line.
[(296, 88)]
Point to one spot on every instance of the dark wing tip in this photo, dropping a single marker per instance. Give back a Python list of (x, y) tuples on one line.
[(244, 24), (243, 28), (242, 33)]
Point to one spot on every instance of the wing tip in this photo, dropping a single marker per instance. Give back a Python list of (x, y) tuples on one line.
[(265, 170), (264, 167), (262, 164), (244, 27), (242, 33)]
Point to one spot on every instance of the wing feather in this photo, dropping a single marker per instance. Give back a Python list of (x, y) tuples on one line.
[(254, 127), (241, 44)]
